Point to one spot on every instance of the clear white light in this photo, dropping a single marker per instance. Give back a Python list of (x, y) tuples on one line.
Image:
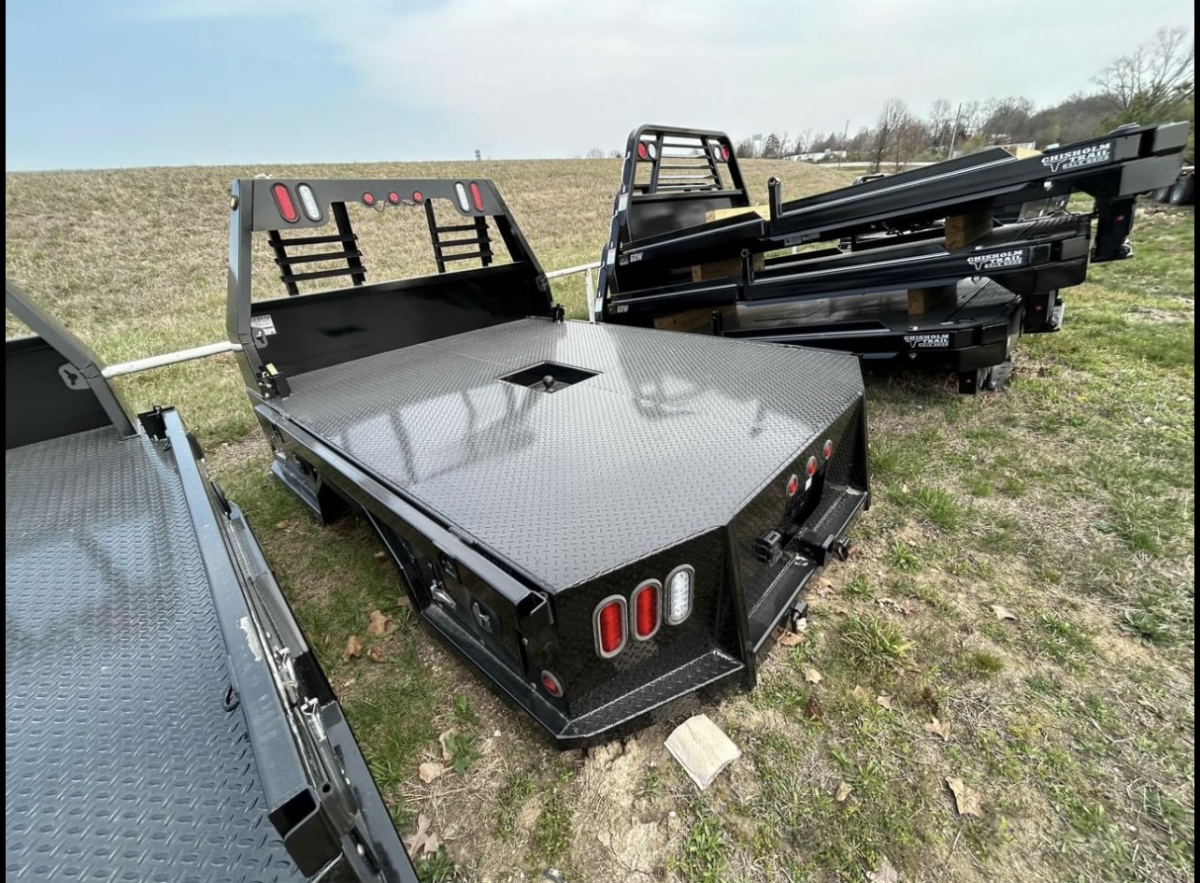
[(463, 199), (652, 151), (308, 200), (679, 594)]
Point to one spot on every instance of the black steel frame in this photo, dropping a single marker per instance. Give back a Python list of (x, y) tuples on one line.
[(655, 237)]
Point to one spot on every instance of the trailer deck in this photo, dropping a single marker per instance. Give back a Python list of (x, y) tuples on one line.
[(165, 719), (116, 676)]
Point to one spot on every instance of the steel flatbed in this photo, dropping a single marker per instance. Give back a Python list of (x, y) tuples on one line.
[(164, 719), (688, 249), (602, 520)]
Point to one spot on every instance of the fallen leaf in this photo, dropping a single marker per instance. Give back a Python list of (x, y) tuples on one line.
[(430, 772), (284, 525), (813, 676), (860, 692), (353, 649), (885, 873), (1003, 613), (843, 792), (885, 702), (375, 654), (824, 587), (939, 728), (814, 708), (446, 755), (968, 802), (381, 555), (432, 845), (416, 842), (380, 623), (898, 606), (931, 701), (403, 601), (790, 639)]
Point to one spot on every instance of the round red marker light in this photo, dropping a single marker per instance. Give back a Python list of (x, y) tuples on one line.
[(724, 153), (811, 468), (828, 449), (418, 196), (368, 199), (793, 485), (641, 150), (394, 198), (552, 685)]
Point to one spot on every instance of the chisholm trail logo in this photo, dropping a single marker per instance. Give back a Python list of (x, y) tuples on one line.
[(998, 260), (1079, 157)]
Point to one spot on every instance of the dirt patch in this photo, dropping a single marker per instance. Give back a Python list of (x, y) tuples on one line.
[(620, 835)]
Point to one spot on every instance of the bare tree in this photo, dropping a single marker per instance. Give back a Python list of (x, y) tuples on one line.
[(803, 142), (891, 118), (595, 153), (614, 154), (745, 149), (1157, 73), (941, 121)]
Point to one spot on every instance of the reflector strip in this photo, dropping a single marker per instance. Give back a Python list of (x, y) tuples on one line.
[(609, 625), (477, 196), (283, 201), (461, 191), (680, 593), (647, 611)]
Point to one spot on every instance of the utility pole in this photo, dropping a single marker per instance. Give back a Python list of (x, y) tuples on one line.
[(845, 135), (954, 132)]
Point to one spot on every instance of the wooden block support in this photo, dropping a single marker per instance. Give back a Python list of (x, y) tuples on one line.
[(923, 300), (720, 214), (699, 319), (962, 230), (723, 269)]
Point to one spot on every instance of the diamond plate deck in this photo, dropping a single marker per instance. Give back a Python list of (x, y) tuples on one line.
[(120, 762), (670, 439)]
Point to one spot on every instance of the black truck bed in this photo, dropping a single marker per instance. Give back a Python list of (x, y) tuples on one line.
[(118, 751), (680, 418)]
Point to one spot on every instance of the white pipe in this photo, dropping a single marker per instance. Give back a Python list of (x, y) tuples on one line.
[(569, 271), (196, 352)]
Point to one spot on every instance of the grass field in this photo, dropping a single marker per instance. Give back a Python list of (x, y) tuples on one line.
[(1018, 616)]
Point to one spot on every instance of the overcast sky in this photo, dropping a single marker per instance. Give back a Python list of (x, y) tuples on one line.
[(172, 82)]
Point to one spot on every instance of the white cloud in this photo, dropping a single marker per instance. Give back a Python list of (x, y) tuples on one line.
[(556, 77)]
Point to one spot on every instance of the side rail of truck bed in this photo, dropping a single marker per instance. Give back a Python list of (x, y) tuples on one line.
[(165, 717)]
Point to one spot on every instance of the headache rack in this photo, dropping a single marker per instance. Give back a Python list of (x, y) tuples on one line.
[(695, 254)]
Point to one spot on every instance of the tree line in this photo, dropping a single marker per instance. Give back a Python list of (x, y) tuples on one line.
[(1154, 83)]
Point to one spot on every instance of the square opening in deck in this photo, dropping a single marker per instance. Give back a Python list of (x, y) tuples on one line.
[(548, 376)]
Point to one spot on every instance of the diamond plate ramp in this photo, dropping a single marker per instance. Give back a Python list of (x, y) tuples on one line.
[(121, 763)]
